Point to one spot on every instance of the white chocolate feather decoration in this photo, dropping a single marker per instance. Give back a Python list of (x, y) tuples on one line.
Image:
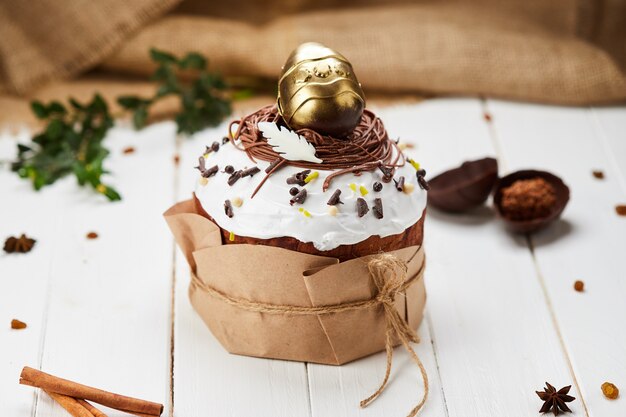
[(288, 144)]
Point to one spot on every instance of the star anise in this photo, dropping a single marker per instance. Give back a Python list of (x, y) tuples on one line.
[(555, 400), (20, 244)]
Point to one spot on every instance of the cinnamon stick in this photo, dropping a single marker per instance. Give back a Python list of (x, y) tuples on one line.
[(70, 404), (93, 410), (50, 383)]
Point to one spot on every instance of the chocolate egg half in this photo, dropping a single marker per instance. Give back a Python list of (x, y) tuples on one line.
[(318, 90)]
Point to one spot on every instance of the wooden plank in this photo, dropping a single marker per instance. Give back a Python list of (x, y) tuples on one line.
[(494, 341), (588, 243), (337, 391), (108, 317), (610, 124), (23, 277), (209, 380)]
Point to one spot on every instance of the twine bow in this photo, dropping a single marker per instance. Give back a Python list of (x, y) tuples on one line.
[(390, 277)]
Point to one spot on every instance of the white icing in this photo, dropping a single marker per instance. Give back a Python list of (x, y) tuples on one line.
[(269, 214)]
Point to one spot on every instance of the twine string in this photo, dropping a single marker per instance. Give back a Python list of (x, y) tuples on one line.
[(389, 275)]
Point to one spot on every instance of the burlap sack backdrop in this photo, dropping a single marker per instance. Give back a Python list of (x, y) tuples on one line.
[(558, 51)]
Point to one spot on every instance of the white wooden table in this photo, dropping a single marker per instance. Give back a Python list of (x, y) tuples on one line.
[(502, 314)]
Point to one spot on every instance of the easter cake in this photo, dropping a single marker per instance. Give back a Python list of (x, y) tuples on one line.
[(316, 172)]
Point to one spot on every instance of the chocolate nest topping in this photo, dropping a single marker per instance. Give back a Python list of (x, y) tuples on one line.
[(366, 148)]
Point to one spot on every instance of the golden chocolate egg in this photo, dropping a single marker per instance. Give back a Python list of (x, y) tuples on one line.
[(318, 90)]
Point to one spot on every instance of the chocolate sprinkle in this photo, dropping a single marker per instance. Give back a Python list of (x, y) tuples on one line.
[(377, 186), (293, 190), (423, 183), (298, 198), (272, 165), (201, 164), (229, 169), (225, 140), (215, 146), (228, 208), (250, 172), (361, 207), (378, 208), (234, 177), (421, 172), (334, 199), (210, 172), (387, 173), (399, 184), (299, 178)]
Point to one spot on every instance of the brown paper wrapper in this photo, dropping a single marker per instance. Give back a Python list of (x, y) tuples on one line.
[(277, 276)]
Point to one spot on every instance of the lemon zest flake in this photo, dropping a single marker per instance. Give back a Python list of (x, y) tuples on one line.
[(313, 175), (415, 165)]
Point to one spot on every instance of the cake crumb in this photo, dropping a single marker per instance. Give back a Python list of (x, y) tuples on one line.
[(620, 209)]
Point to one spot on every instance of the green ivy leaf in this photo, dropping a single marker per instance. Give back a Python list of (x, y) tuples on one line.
[(39, 109), (139, 117), (193, 60), (130, 102), (162, 56), (56, 107)]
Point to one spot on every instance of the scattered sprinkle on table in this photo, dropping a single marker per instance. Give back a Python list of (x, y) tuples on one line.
[(555, 400), (610, 391), (579, 286), (22, 244), (128, 150), (598, 174), (92, 235), (18, 325), (176, 159), (487, 116), (620, 209)]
